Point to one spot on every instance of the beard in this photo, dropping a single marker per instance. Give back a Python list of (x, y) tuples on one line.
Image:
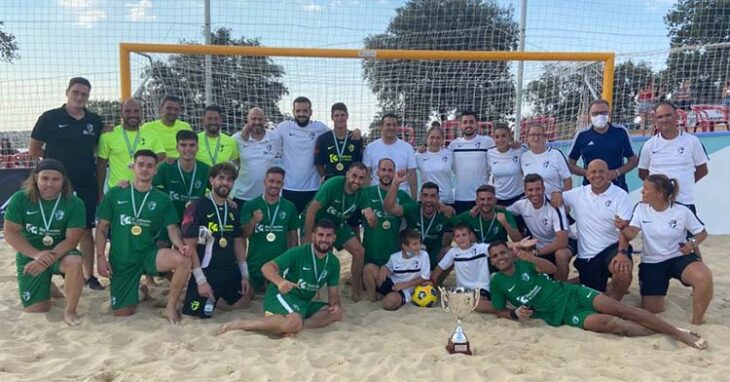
[(322, 247), (222, 191), (302, 121)]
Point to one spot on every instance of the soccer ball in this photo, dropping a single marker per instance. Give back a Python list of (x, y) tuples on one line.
[(425, 296)]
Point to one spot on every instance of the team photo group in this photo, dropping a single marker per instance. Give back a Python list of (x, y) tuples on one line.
[(221, 221)]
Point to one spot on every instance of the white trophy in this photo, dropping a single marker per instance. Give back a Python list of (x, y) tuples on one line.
[(459, 302)]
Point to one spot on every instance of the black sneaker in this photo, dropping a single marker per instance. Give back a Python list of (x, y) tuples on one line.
[(93, 283)]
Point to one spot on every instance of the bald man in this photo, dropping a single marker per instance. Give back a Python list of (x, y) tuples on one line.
[(117, 147), (603, 252), (259, 149)]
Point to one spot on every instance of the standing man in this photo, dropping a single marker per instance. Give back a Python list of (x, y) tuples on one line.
[(270, 224), (70, 135), (117, 147), (259, 150), (489, 222), (399, 152), (168, 125), (220, 273), (470, 162), (336, 149), (606, 141), (675, 154), (216, 146), (299, 139), (184, 180), (136, 214)]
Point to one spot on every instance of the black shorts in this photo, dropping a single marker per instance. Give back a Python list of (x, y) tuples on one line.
[(485, 294), (508, 202), (227, 287), (299, 198), (354, 220), (89, 196), (387, 287), (654, 278), (594, 272), (463, 205)]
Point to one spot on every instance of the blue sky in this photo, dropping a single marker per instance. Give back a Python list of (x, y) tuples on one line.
[(62, 38)]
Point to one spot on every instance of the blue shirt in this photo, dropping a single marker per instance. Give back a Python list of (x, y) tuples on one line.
[(612, 146)]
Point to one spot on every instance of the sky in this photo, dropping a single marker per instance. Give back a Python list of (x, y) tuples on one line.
[(59, 39)]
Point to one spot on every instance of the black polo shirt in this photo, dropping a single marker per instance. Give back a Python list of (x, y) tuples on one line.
[(326, 153), (72, 142)]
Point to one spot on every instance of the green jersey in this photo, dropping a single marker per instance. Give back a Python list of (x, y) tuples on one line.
[(181, 186), (279, 219), (337, 205), (432, 228), (70, 213), (167, 134), (212, 151), (302, 267), (547, 298), (148, 212), (384, 239), (118, 147), (487, 231)]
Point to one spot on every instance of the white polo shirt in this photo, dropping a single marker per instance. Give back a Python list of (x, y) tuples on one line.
[(437, 168), (594, 217), (470, 165), (471, 265), (506, 172), (551, 165), (298, 144), (676, 158), (544, 222), (662, 232), (256, 157), (404, 270), (399, 152)]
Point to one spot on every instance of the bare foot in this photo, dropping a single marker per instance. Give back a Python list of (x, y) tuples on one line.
[(692, 339), (71, 319), (55, 292), (233, 325), (172, 315)]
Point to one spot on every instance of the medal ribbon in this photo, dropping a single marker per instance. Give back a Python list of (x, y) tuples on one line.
[(318, 275), (192, 178), (221, 223), (213, 158), (481, 227), (131, 149), (424, 231), (47, 224), (268, 213)]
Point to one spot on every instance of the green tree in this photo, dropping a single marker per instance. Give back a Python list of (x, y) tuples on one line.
[(239, 83), (699, 32), (558, 92), (109, 111), (628, 78), (8, 46), (420, 89)]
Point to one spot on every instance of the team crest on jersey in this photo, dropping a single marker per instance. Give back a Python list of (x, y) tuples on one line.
[(478, 145), (525, 277), (608, 203), (546, 164), (444, 159), (88, 129), (282, 215), (59, 215), (575, 320), (546, 222), (143, 141), (351, 147), (26, 296), (673, 224), (268, 149), (515, 159), (311, 135), (152, 205), (680, 150), (197, 184)]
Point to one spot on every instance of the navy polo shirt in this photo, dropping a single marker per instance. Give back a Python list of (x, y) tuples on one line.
[(612, 146)]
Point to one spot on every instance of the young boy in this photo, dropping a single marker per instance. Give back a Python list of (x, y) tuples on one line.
[(404, 270), (471, 263)]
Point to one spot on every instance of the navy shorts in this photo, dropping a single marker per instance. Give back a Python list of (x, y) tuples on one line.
[(387, 287), (508, 202), (300, 198), (654, 278), (463, 205), (227, 287), (89, 196), (594, 272)]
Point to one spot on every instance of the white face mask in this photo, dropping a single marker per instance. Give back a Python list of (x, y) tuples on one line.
[(600, 121)]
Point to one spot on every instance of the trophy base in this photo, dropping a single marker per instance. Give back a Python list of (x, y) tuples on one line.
[(462, 348)]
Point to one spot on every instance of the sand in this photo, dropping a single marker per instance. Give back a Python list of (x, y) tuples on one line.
[(370, 344)]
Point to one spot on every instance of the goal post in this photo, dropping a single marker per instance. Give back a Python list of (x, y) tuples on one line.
[(126, 49)]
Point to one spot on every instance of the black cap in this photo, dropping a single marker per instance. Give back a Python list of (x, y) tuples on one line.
[(50, 164)]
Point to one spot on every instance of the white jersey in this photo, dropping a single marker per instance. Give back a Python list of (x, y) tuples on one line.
[(594, 217), (299, 144), (406, 269), (256, 157), (662, 232), (506, 172), (544, 222), (675, 158), (437, 168), (550, 165), (471, 265), (470, 165), (399, 152)]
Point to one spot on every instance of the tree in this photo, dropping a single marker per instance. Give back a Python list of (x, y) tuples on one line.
[(558, 92), (8, 46), (109, 111), (239, 83), (628, 79), (699, 32), (420, 89)]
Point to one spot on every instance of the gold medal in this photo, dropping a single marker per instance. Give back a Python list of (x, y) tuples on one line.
[(340, 166), (386, 225), (136, 230), (223, 242), (47, 240), (270, 237)]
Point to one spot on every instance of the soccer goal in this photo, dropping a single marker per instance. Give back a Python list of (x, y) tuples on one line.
[(420, 86)]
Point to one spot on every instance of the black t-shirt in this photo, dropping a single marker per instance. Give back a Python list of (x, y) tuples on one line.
[(201, 212), (72, 142), (326, 153)]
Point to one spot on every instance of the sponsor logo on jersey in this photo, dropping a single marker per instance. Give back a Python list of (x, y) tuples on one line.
[(608, 203), (151, 205), (59, 214), (673, 224), (680, 150)]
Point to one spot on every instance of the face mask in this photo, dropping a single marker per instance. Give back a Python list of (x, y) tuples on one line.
[(410, 253), (600, 121)]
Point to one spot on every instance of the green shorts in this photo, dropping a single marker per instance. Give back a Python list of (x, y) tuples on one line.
[(164, 236), (277, 303), (34, 289), (257, 280), (124, 283), (579, 305), (344, 233)]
